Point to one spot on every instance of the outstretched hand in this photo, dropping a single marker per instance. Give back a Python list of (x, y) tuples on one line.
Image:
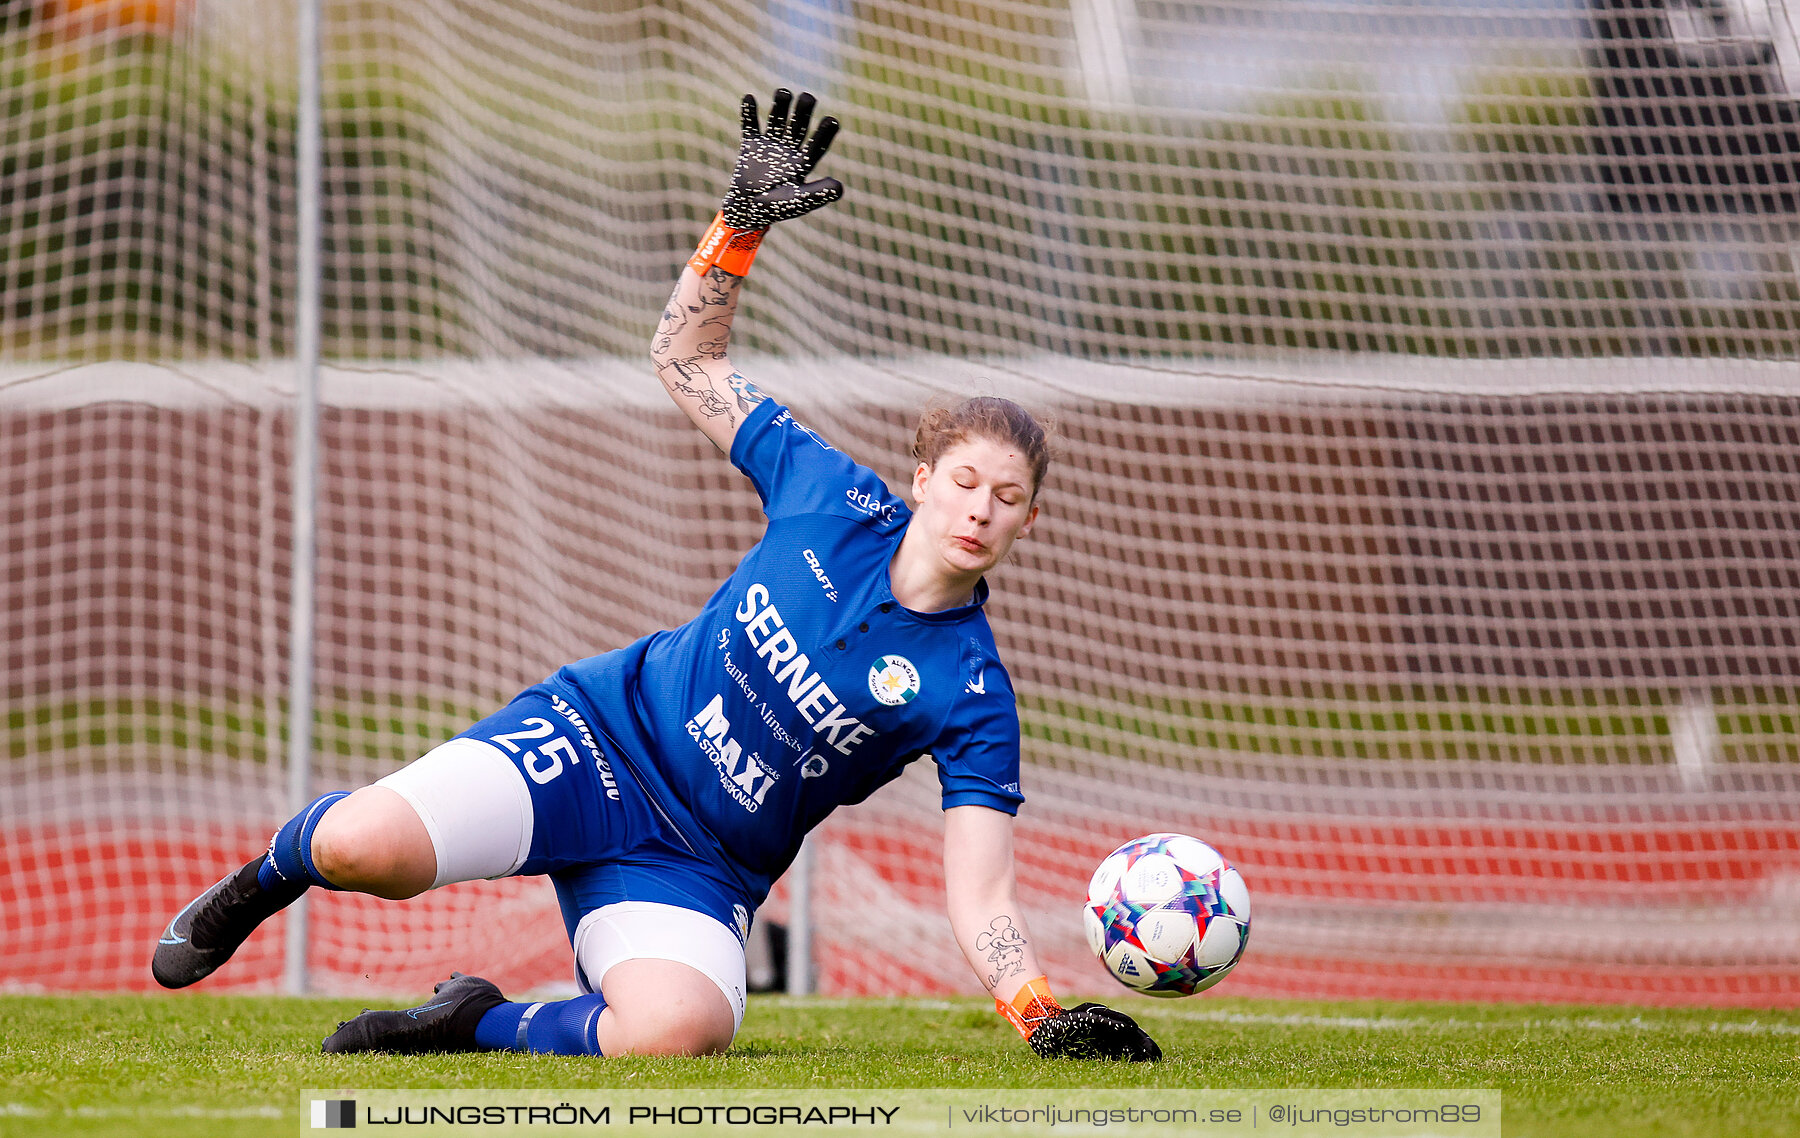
[(768, 184), (1094, 1031)]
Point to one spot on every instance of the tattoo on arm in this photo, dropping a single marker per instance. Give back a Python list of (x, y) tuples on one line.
[(718, 341), (674, 319), (718, 286), (748, 394), (718, 292), (721, 280), (1005, 949), (685, 377)]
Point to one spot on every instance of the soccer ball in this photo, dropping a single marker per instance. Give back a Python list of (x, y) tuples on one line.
[(1167, 915)]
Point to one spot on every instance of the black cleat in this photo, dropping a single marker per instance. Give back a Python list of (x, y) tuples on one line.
[(446, 1023), (205, 934)]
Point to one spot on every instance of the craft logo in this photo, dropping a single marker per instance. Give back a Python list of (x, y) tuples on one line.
[(334, 1114), (812, 559), (893, 680)]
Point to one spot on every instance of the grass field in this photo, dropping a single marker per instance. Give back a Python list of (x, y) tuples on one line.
[(138, 1065)]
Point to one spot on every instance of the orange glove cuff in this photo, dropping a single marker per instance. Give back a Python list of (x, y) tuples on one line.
[(1033, 1005), (727, 248)]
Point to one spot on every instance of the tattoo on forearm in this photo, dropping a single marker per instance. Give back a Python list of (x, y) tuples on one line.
[(674, 319), (715, 333), (718, 286), (718, 290), (715, 346), (686, 378), (748, 394), (1005, 949)]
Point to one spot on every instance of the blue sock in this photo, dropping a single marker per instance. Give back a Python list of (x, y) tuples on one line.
[(289, 866), (566, 1027)]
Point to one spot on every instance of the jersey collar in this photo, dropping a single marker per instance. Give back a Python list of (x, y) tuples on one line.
[(947, 616)]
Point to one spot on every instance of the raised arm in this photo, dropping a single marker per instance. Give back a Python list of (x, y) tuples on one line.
[(690, 353), (690, 349), (981, 886)]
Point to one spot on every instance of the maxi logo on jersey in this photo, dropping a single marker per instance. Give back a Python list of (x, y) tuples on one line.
[(745, 777), (811, 696)]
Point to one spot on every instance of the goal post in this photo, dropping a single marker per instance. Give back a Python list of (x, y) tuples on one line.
[(1419, 533), (309, 176)]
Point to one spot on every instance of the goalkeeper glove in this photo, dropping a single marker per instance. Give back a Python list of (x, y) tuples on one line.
[(768, 184), (1087, 1031)]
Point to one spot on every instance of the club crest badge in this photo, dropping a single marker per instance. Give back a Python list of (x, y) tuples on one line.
[(893, 680)]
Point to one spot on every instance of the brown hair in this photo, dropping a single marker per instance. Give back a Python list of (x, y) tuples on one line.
[(984, 417)]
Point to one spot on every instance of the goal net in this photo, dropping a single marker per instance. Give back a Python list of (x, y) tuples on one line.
[(1421, 531)]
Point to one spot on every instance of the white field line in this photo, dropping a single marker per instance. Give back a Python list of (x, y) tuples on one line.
[(23, 1110), (858, 1002), (1358, 1023)]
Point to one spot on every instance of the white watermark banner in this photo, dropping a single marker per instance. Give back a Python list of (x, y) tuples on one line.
[(954, 1113)]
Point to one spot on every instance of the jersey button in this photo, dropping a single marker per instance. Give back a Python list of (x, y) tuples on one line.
[(863, 627), (887, 606), (842, 645)]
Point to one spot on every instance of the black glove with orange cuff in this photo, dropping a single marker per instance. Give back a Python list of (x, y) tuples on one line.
[(769, 183), (1086, 1031)]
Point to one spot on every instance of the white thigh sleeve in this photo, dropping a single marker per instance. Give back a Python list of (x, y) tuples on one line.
[(475, 805), (635, 930)]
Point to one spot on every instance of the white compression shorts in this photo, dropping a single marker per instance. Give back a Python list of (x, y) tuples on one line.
[(477, 809), (640, 930)]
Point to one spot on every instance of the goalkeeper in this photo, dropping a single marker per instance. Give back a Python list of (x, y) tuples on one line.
[(664, 786)]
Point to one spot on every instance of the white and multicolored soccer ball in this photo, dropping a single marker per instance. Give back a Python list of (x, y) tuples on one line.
[(1167, 915)]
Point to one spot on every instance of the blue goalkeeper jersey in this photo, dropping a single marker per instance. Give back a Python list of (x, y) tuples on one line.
[(803, 685)]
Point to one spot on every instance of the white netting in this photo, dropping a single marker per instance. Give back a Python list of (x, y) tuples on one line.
[(1421, 535)]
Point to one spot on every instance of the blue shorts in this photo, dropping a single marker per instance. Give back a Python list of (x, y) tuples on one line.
[(594, 831)]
